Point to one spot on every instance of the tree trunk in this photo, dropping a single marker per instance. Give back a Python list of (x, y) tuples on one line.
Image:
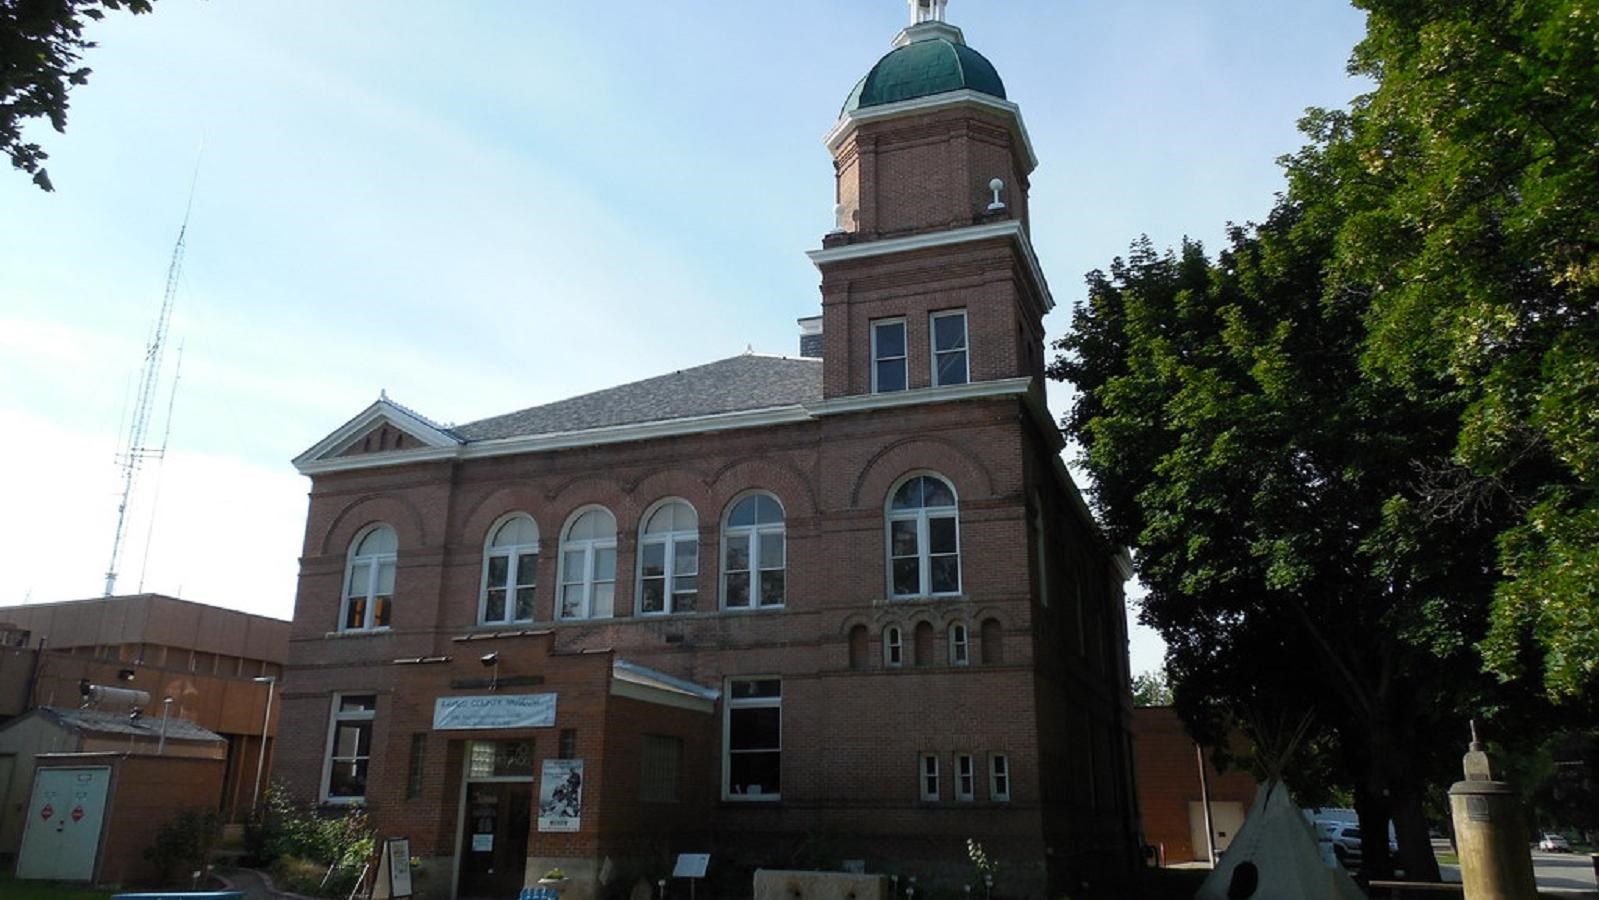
[(1415, 843)]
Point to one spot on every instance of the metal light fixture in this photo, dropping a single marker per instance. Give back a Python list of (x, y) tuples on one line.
[(260, 757)]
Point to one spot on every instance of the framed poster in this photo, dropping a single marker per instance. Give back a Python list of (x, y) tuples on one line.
[(561, 795), (394, 870)]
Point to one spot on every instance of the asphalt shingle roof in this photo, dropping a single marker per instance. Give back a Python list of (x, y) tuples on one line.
[(95, 721), (736, 384)]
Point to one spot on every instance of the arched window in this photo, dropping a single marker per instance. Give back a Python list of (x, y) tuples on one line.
[(893, 647), (924, 539), (960, 650), (369, 580), (669, 559), (588, 565), (858, 644), (993, 643), (753, 557), (924, 643), (510, 572)]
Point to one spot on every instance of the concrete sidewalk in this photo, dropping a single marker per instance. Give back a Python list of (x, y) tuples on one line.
[(255, 884)]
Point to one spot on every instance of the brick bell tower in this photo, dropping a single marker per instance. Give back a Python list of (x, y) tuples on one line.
[(929, 279)]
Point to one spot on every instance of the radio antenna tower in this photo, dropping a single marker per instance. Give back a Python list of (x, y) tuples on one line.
[(134, 450)]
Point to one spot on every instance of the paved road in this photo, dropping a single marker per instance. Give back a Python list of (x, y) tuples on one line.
[(1552, 871), (1566, 871)]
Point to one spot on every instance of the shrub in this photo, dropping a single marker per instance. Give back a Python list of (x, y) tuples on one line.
[(184, 844)]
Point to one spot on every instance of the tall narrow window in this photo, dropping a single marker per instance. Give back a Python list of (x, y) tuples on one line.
[(965, 777), (510, 572), (754, 556), (960, 651), (660, 758), (416, 770), (924, 539), (950, 365), (753, 766), (369, 581), (998, 778), (669, 560), (888, 356), (893, 647), (349, 747), (588, 566), (930, 777)]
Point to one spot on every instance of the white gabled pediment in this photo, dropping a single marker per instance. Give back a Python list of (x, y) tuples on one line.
[(384, 427)]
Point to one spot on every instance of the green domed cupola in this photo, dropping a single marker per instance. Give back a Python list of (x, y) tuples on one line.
[(933, 62)]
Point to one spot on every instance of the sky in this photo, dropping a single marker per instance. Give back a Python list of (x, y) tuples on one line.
[(483, 206)]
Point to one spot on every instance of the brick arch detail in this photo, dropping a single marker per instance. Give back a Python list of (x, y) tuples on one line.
[(683, 483), (393, 510), (780, 478), (497, 504), (968, 472), (591, 490)]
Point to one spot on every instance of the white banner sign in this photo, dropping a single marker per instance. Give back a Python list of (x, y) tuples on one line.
[(494, 711), (561, 795)]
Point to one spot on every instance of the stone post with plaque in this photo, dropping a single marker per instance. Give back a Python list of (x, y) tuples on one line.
[(1490, 833)]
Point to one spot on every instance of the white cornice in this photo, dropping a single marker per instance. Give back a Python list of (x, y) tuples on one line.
[(381, 411), (966, 96), (1011, 228), (616, 434), (976, 390)]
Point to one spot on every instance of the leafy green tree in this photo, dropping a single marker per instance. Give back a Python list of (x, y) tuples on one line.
[(1151, 689), (1275, 496), (1473, 181), (41, 46)]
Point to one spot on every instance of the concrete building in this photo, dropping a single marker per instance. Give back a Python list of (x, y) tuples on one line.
[(1174, 774), (205, 658), (845, 608)]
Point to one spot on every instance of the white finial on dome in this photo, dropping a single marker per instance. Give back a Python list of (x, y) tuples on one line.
[(927, 11)]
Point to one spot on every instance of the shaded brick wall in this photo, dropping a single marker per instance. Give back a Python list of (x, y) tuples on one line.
[(1168, 780)]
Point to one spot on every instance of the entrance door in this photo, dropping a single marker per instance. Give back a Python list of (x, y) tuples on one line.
[(494, 840), (62, 834)]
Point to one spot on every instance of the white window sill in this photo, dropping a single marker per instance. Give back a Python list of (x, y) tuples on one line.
[(357, 633)]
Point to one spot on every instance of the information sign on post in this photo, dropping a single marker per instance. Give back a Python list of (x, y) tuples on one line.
[(691, 866)]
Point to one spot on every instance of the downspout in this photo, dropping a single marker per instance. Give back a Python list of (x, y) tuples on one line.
[(1204, 802)]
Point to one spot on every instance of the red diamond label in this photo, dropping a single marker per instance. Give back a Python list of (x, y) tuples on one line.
[(77, 813), (47, 812)]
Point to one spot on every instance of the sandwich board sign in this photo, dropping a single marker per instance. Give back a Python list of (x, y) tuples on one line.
[(394, 870)]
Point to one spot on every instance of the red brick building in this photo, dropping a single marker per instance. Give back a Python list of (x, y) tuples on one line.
[(846, 606)]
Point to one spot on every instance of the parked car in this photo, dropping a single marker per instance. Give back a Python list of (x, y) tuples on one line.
[(1554, 843), (1345, 838)]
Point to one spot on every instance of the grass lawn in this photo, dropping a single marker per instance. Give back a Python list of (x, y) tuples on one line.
[(47, 890)]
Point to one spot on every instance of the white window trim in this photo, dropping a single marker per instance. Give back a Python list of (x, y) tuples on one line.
[(727, 735), (670, 539), (960, 644), (999, 769), (893, 647), (924, 555), (515, 553), (927, 785), (933, 351), (904, 361), (335, 716), (590, 548), (374, 563), (965, 777), (751, 535)]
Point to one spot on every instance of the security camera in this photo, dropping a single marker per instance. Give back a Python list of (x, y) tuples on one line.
[(490, 659)]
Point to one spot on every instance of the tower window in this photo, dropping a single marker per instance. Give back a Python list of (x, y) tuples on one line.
[(948, 332), (888, 356)]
